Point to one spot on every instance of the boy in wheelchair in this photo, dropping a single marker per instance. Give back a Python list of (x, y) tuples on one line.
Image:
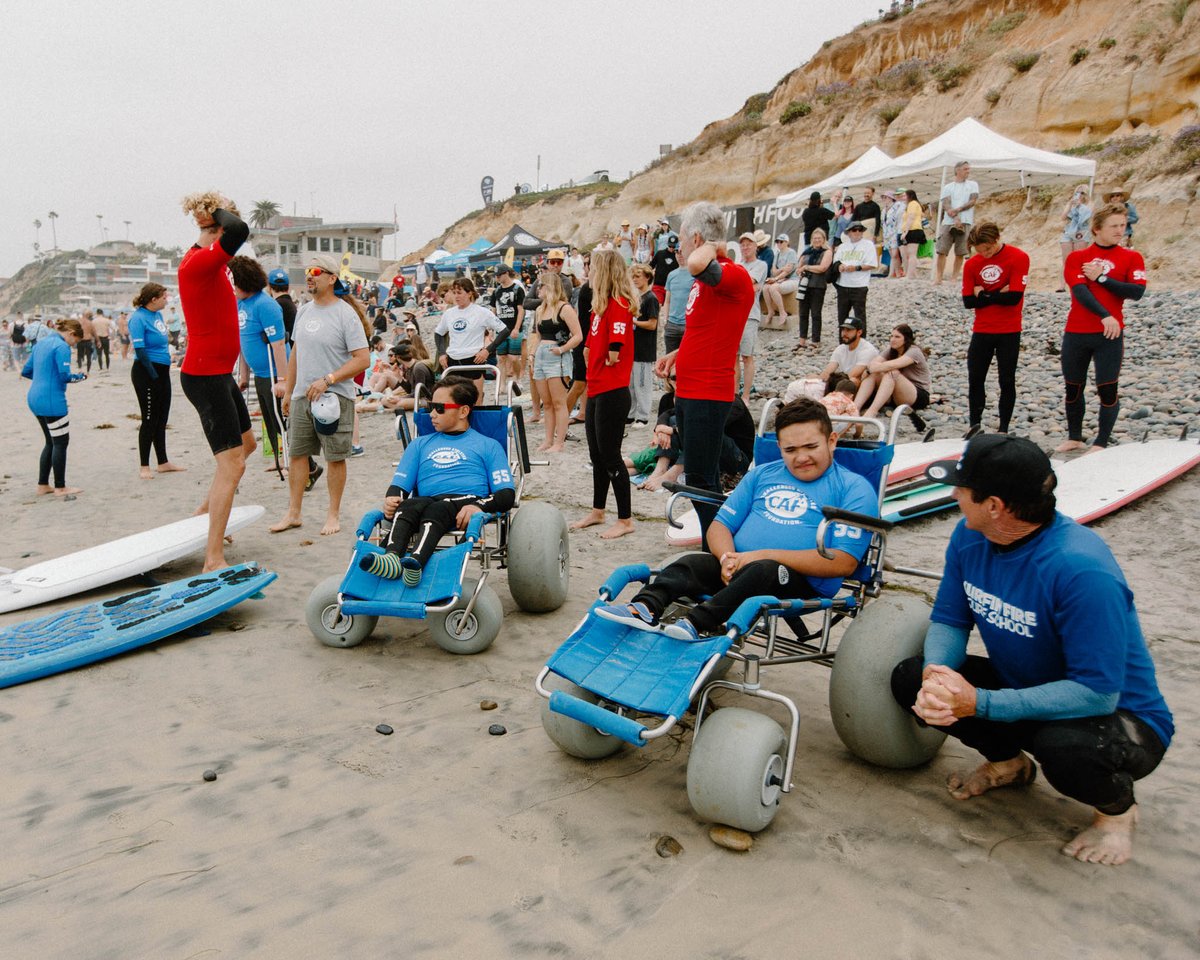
[(763, 541), (454, 472)]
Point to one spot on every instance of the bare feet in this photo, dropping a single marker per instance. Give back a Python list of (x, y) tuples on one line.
[(170, 467), (1108, 840), (1068, 445), (555, 448), (43, 489), (1092, 449), (333, 524), (145, 473), (618, 529), (67, 491), (211, 565), (287, 523), (543, 448), (1017, 772), (591, 520)]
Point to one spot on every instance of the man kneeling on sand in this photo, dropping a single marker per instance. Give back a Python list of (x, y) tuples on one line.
[(775, 510), (1067, 677), (455, 472)]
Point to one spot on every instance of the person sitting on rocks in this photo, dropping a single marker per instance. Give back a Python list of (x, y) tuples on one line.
[(898, 375), (763, 540), (848, 360), (441, 481)]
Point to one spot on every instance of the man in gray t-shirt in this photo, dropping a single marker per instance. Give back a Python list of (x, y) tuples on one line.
[(329, 350)]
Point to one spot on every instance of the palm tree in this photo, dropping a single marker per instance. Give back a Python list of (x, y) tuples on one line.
[(53, 216), (37, 235), (263, 212)]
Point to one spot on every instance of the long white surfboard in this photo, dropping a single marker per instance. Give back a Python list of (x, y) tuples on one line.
[(910, 459), (109, 562), (1094, 485)]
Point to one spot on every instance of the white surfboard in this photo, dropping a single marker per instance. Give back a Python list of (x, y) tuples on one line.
[(1094, 485), (910, 459), (689, 534), (109, 562)]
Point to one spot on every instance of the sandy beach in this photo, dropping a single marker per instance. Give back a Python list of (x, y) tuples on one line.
[(322, 838)]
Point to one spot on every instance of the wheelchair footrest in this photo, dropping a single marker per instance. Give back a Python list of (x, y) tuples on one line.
[(366, 594), (596, 716)]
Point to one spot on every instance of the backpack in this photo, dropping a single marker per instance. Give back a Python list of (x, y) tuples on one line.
[(18, 333)]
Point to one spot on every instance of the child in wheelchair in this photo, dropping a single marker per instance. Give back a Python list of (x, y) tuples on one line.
[(776, 508), (442, 479)]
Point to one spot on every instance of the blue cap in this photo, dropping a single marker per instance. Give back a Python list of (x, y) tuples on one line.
[(278, 278)]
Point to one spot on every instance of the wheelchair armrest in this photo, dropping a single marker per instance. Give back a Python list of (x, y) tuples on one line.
[(367, 525), (749, 610), (620, 578), (476, 523), (862, 520), (695, 493)]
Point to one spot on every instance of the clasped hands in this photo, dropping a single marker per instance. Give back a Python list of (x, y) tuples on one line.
[(944, 697)]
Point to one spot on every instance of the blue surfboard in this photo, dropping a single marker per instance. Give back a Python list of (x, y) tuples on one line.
[(73, 638), (917, 499)]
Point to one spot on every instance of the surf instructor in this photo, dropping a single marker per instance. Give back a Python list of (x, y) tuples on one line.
[(206, 376)]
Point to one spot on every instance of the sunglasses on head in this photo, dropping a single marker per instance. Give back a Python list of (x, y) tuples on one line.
[(443, 407), (315, 272)]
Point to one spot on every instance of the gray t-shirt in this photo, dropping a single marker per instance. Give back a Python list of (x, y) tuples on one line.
[(783, 258), (758, 273), (324, 338)]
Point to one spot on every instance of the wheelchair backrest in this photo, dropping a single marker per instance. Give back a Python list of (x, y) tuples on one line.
[(490, 421), (868, 458)]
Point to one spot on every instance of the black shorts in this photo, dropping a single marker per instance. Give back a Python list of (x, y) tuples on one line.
[(221, 406), (578, 365), (922, 400), (914, 236), (451, 363)]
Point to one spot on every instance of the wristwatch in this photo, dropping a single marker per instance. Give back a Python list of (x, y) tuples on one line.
[(1103, 278), (330, 379)]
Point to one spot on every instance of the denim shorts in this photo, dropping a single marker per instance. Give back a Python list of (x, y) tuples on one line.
[(546, 365)]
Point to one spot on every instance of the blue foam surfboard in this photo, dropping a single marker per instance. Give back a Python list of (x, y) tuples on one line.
[(918, 500), (73, 638)]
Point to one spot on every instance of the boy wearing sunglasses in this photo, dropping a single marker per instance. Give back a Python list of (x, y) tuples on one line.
[(442, 480)]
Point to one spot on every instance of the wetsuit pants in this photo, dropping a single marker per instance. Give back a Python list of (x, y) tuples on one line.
[(430, 517), (56, 430), (701, 427), (605, 429), (1079, 351), (1094, 760), (154, 398), (1006, 348)]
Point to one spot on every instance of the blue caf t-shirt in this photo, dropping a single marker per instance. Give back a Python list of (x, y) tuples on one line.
[(1056, 608), (772, 510), (148, 331), (260, 319), (679, 286), (461, 463)]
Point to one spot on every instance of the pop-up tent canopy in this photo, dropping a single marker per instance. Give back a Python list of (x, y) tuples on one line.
[(463, 257), (860, 171), (521, 241), (997, 163)]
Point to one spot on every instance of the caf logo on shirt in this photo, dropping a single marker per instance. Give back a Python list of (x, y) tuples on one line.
[(460, 326), (160, 326), (785, 504), (991, 273), (241, 319), (692, 295), (447, 457), (312, 326), (595, 325), (1106, 266)]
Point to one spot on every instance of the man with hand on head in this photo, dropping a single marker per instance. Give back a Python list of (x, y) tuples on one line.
[(206, 375), (330, 351), (1067, 676)]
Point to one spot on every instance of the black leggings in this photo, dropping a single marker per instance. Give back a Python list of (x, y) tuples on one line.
[(1006, 348), (1094, 760), (605, 429), (1079, 351), (697, 575), (812, 305), (54, 453), (103, 357), (432, 517), (83, 352), (154, 397)]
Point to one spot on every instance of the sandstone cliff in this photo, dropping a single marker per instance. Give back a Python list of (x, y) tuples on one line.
[(1118, 80)]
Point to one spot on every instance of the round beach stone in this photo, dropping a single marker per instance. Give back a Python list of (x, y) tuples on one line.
[(730, 838)]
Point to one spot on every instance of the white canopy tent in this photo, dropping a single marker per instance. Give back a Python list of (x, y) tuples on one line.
[(860, 171)]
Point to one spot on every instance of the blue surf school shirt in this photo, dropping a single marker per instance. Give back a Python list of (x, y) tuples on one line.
[(260, 320), (459, 463), (49, 367), (1055, 608), (148, 331), (772, 510)]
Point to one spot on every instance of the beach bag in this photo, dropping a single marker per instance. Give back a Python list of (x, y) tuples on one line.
[(925, 250), (18, 333)]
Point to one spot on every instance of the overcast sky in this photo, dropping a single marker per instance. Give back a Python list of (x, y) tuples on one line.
[(348, 108)]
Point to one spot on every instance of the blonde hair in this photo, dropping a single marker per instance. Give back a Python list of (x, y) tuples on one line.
[(550, 286), (643, 270), (203, 204), (610, 280)]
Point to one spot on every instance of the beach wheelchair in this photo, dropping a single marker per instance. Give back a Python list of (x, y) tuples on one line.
[(611, 684), (529, 542)]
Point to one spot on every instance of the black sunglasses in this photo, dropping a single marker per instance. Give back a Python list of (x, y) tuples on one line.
[(443, 407)]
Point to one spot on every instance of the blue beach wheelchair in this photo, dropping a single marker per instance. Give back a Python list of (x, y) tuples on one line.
[(529, 542), (611, 684)]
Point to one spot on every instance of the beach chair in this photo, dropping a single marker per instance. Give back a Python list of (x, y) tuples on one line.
[(529, 542), (611, 684)]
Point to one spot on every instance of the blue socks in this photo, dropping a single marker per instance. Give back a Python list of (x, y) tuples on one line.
[(389, 566)]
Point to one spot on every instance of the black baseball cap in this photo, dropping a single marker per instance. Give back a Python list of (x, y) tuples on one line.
[(504, 268), (856, 225), (997, 465), (852, 322)]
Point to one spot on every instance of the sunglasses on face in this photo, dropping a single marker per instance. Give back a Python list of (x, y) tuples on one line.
[(316, 272), (443, 407)]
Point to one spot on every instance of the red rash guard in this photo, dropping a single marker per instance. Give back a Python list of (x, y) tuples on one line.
[(716, 317), (1121, 264), (210, 311), (614, 328), (1008, 268)]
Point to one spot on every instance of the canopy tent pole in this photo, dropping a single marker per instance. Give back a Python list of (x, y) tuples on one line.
[(936, 227)]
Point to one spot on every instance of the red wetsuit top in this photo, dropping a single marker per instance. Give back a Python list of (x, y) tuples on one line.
[(716, 317), (614, 328), (1121, 264), (1008, 268), (210, 310)]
